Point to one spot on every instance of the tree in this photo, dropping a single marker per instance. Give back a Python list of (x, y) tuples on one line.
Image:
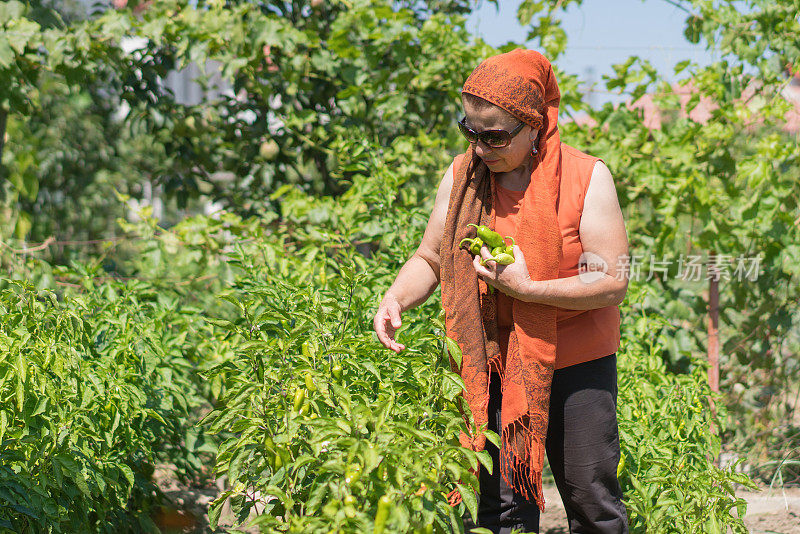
[(304, 80)]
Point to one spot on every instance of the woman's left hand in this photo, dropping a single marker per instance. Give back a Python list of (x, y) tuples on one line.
[(511, 279)]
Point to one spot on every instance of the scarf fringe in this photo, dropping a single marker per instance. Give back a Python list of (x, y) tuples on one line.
[(513, 468), (454, 497), (520, 473)]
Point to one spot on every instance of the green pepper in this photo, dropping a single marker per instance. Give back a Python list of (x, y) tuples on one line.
[(352, 474), (336, 371), (474, 244), (382, 472), (299, 397), (278, 460), (500, 259), (382, 514), (489, 236), (510, 248), (310, 385), (498, 250), (505, 259), (350, 506)]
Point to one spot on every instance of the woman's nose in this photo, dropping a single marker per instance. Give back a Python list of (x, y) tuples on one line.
[(480, 150)]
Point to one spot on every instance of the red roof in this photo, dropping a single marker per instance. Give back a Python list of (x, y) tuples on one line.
[(702, 112)]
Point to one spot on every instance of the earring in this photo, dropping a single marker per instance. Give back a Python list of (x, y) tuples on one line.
[(534, 150)]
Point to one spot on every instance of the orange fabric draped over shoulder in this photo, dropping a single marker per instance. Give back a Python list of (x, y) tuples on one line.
[(521, 82), (583, 335)]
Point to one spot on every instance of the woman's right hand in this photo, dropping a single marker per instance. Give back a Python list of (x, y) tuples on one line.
[(387, 321)]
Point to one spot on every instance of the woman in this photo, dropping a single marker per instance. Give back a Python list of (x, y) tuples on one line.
[(538, 337)]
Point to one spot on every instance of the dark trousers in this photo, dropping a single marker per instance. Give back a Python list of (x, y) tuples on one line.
[(582, 447)]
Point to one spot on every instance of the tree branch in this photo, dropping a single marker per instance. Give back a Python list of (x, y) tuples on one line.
[(676, 4)]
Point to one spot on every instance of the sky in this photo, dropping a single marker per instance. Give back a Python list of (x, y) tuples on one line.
[(598, 37)]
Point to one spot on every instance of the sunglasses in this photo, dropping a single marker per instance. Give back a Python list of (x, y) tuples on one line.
[(492, 138)]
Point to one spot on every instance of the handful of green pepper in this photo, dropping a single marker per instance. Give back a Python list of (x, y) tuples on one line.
[(501, 253)]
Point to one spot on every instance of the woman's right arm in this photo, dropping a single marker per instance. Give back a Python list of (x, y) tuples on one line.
[(419, 276)]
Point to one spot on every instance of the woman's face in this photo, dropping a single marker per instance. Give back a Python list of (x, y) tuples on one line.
[(494, 118)]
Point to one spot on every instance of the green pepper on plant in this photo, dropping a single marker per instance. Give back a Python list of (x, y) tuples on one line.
[(299, 397), (384, 503)]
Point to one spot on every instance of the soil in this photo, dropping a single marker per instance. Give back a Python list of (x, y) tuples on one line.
[(775, 511)]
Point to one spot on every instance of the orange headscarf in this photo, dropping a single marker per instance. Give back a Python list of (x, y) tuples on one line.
[(521, 82)]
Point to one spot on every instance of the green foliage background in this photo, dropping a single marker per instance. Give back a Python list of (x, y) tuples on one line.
[(195, 330)]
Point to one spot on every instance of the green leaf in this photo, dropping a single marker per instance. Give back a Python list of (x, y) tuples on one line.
[(6, 53), (453, 350), (3, 424), (21, 33), (12, 10), (712, 527), (526, 10), (492, 437), (282, 190), (127, 472), (681, 66), (452, 385), (470, 500), (486, 459), (21, 376), (694, 26), (215, 508)]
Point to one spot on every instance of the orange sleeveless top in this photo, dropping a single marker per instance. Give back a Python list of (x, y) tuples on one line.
[(583, 335)]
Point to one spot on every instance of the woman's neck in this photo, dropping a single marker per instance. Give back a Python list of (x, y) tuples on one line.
[(519, 178)]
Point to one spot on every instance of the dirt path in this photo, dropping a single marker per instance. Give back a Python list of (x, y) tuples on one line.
[(768, 511), (771, 511)]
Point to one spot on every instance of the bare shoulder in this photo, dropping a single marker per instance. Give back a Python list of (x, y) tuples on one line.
[(601, 188), (600, 169), (442, 200), (602, 226), (446, 184), (432, 238)]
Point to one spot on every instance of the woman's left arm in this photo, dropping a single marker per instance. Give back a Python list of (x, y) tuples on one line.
[(603, 237), (605, 245), (604, 241)]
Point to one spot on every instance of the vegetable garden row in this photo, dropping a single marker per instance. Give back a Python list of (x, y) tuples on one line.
[(278, 383)]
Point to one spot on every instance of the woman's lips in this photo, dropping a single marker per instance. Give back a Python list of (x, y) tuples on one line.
[(487, 161)]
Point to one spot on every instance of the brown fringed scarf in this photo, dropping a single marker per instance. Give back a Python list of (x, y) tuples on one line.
[(522, 83)]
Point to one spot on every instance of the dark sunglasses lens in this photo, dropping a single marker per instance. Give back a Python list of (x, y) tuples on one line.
[(466, 132), (495, 139)]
